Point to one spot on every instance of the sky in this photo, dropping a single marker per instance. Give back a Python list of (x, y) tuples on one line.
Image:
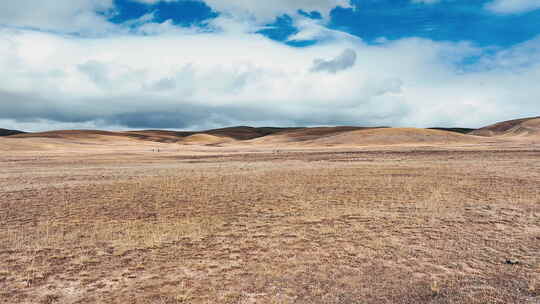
[(181, 64)]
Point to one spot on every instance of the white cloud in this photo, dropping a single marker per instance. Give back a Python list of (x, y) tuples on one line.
[(345, 61), (310, 29), (187, 79), (91, 17), (59, 15), (513, 6)]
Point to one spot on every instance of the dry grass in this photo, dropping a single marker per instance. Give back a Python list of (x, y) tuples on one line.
[(302, 227)]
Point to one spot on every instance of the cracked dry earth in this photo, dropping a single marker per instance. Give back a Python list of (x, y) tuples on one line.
[(357, 227)]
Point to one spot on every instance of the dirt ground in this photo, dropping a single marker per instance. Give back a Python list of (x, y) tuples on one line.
[(216, 225)]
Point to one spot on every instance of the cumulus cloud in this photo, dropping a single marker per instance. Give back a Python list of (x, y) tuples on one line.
[(92, 17), (159, 75), (346, 60), (189, 80), (59, 15), (310, 29), (513, 6)]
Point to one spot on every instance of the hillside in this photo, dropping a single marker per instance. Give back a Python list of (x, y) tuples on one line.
[(205, 139), (393, 136), (73, 134), (238, 133), (528, 127), (246, 133), (304, 134), (7, 132), (457, 130)]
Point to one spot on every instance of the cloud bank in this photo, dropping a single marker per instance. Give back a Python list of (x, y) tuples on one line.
[(59, 15), (158, 75)]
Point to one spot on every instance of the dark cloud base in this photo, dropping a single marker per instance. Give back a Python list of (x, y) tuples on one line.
[(142, 114)]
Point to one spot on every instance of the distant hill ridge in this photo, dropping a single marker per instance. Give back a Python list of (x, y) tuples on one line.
[(235, 133), (457, 130), (325, 136), (528, 127), (7, 132)]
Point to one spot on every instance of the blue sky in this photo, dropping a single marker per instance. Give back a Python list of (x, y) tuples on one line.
[(451, 20), (454, 20), (179, 64), (183, 13)]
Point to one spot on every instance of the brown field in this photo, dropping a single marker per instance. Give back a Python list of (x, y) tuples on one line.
[(387, 216)]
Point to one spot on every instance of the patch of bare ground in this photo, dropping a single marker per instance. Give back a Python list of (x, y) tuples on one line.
[(297, 227)]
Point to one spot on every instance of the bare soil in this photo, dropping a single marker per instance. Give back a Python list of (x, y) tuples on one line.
[(121, 224)]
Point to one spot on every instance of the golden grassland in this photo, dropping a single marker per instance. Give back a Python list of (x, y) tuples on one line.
[(357, 226)]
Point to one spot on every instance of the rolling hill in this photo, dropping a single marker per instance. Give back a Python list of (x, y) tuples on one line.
[(205, 139), (357, 136), (392, 136), (7, 132), (457, 130), (525, 127), (237, 133), (512, 130), (244, 132), (304, 134)]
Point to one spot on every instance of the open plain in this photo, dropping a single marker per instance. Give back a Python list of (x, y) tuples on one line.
[(388, 217)]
